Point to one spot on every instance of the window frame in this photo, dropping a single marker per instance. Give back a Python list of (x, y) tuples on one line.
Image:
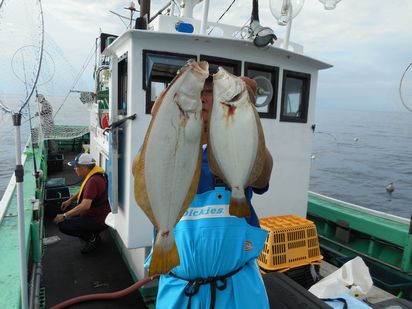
[(146, 84), (306, 78), (122, 66), (236, 64), (272, 108)]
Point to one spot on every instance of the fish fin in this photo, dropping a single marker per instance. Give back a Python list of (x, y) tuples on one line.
[(261, 153), (193, 187), (140, 189), (239, 206), (165, 255), (158, 102), (160, 98)]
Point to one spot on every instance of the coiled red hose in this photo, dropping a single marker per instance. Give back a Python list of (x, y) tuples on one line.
[(100, 296)]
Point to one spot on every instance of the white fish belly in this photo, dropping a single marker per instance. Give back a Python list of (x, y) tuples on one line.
[(234, 142), (170, 161)]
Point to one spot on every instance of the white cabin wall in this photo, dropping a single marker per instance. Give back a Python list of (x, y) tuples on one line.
[(291, 146), (289, 142), (140, 228)]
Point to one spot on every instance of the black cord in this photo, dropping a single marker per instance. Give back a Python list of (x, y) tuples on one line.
[(228, 8)]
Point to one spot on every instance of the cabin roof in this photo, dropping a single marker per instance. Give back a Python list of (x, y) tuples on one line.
[(238, 45)]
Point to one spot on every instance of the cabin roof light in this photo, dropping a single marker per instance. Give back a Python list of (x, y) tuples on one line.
[(285, 10), (262, 36), (329, 4)]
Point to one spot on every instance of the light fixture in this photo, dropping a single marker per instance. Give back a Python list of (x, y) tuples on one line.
[(285, 10), (262, 36), (329, 4)]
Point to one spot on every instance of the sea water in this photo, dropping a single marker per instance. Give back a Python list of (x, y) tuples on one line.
[(355, 154), (67, 111)]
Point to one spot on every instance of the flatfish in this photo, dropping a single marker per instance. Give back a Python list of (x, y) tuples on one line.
[(167, 171), (236, 144)]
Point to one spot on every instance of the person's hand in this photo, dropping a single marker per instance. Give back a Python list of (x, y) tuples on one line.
[(59, 218), (65, 204)]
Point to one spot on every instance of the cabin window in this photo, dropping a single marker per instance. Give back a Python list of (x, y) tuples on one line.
[(295, 97), (159, 69), (266, 78), (232, 66), (122, 86)]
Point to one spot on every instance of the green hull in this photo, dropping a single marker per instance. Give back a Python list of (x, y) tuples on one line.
[(384, 241)]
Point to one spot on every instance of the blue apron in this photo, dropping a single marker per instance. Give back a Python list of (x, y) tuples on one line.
[(213, 244)]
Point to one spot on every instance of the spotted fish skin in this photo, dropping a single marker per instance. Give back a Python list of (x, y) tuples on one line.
[(236, 144), (168, 168)]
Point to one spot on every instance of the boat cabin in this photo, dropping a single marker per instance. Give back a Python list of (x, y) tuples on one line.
[(139, 65)]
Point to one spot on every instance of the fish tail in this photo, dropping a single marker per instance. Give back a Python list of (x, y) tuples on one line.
[(165, 255), (239, 206)]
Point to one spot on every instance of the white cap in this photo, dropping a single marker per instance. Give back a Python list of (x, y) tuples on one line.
[(82, 159)]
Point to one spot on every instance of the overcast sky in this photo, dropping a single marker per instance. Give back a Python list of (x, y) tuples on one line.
[(369, 42)]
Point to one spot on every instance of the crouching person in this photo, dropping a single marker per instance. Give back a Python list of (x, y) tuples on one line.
[(86, 219)]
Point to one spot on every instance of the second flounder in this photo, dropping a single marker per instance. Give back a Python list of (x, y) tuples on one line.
[(236, 146)]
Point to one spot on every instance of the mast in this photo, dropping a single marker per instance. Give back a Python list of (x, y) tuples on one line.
[(143, 20)]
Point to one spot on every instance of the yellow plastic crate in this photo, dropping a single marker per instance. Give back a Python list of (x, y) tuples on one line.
[(291, 242)]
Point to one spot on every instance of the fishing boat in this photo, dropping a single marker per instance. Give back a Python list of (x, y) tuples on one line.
[(132, 70)]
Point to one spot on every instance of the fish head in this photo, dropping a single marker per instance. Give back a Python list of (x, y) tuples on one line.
[(228, 88), (192, 84)]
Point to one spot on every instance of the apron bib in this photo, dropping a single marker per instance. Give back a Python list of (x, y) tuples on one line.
[(211, 243)]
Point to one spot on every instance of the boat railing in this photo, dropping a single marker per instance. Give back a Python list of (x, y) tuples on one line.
[(361, 208)]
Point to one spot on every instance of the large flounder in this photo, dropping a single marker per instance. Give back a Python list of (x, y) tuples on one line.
[(236, 146), (167, 172)]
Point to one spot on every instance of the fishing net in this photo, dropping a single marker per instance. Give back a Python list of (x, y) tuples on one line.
[(33, 60), (57, 121), (405, 88)]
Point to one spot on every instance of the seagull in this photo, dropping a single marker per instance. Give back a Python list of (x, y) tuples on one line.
[(390, 188)]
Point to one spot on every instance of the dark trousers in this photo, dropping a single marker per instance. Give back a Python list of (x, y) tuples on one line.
[(81, 226)]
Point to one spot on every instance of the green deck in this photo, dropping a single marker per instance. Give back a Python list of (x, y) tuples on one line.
[(9, 235)]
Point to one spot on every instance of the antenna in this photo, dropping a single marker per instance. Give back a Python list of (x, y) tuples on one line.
[(132, 9)]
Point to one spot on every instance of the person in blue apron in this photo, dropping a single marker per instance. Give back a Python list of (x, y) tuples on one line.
[(218, 267)]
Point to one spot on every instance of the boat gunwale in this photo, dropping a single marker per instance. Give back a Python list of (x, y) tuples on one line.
[(359, 208)]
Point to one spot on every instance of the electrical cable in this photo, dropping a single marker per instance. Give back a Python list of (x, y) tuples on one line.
[(228, 8), (221, 16)]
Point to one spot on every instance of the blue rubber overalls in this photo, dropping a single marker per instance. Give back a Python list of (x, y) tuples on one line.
[(218, 252)]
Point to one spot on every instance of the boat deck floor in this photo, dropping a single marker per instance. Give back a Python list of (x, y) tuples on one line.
[(67, 273)]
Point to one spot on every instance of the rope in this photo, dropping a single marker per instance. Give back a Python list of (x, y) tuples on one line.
[(77, 78)]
